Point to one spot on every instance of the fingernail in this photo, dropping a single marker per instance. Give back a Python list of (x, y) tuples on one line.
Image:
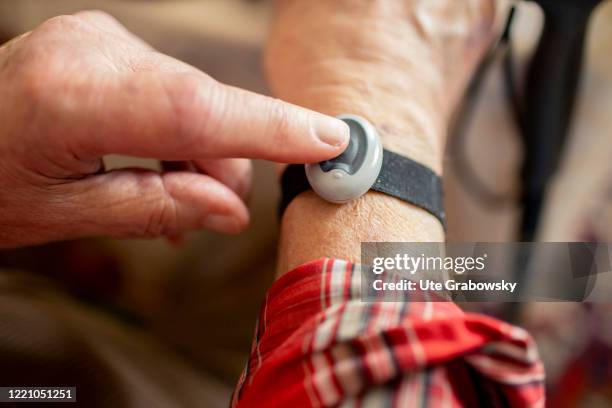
[(222, 223), (331, 131)]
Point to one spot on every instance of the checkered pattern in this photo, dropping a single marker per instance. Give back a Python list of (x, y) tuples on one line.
[(317, 344)]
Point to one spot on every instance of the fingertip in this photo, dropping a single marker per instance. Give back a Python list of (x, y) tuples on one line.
[(317, 137), (229, 222), (226, 211), (331, 131), (205, 203), (226, 224)]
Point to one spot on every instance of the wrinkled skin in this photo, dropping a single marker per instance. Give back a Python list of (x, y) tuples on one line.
[(402, 64), (80, 87)]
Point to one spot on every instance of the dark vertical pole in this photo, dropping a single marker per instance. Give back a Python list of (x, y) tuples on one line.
[(551, 84), (550, 92)]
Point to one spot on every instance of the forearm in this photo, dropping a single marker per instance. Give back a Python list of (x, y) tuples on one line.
[(331, 340), (387, 61)]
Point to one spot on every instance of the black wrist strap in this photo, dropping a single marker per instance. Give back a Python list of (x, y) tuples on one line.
[(399, 177)]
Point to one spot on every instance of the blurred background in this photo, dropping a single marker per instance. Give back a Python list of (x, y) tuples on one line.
[(197, 303)]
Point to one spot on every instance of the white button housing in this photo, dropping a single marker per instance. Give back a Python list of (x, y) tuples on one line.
[(351, 174)]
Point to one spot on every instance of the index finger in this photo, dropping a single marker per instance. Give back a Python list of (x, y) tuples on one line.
[(181, 116)]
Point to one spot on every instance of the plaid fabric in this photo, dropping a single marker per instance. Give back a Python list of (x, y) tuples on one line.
[(318, 344)]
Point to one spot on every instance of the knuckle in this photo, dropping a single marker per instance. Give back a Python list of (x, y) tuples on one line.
[(102, 18), (156, 224), (18, 55), (279, 122), (193, 107), (162, 216), (215, 110), (42, 84), (62, 24), (95, 13), (33, 84), (43, 59)]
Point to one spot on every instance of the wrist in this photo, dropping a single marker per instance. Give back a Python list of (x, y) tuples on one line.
[(396, 83), (374, 217), (337, 57)]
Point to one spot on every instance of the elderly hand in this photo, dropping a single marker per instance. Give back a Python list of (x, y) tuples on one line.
[(80, 87)]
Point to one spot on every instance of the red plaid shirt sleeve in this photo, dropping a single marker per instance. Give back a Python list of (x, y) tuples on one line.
[(317, 344)]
